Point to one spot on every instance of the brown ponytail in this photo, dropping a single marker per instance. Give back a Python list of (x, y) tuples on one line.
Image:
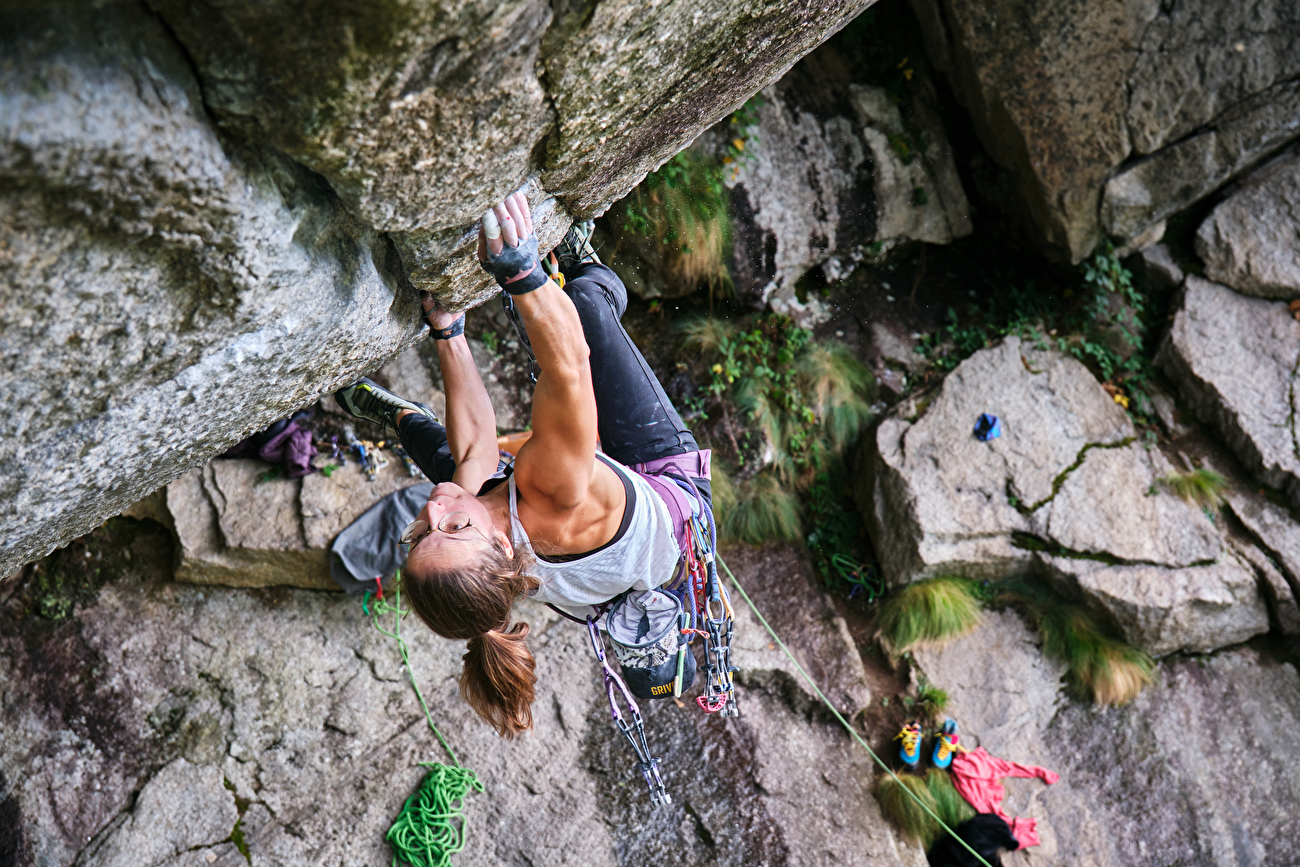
[(473, 603)]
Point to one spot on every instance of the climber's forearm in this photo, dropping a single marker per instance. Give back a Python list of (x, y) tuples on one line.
[(555, 332), (558, 461), (471, 421)]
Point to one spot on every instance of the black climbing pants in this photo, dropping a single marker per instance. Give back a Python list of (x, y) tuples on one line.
[(636, 422)]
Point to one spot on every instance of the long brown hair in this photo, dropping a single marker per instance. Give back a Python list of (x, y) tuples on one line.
[(473, 603)]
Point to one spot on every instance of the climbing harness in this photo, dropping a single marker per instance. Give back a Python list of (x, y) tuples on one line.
[(839, 716), (431, 825), (704, 611)]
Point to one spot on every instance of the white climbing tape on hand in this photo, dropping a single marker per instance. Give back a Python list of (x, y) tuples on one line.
[(491, 226)]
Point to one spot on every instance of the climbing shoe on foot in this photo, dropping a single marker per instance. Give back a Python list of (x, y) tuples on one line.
[(368, 400), (576, 246), (945, 744), (910, 751)]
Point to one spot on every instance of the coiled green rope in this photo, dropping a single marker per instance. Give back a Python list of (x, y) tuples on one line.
[(431, 826)]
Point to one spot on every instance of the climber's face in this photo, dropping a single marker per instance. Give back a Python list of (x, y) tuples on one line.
[(453, 529)]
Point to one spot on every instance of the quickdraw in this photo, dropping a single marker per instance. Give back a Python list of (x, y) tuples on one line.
[(634, 731)]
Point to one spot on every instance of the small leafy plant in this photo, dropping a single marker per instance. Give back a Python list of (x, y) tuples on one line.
[(931, 701), (1101, 324)]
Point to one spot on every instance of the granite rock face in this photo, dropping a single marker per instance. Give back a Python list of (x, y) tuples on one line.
[(1234, 360), (1162, 610), (1251, 241), (866, 188), (833, 169), (1189, 772), (290, 706), (1108, 118), (936, 499), (1064, 493), (212, 215)]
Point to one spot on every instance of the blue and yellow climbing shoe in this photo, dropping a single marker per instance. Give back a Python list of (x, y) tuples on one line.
[(910, 751), (371, 401), (945, 744)]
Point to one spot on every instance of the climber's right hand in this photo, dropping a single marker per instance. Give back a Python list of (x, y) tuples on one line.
[(507, 246)]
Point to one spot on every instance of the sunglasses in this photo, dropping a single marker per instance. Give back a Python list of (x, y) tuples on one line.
[(454, 524)]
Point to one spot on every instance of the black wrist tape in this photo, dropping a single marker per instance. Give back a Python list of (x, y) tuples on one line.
[(518, 270), (455, 329)]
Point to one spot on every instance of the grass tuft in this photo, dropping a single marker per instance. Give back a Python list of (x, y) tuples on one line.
[(679, 215), (756, 510), (841, 390), (1203, 487), (931, 701), (707, 334), (1109, 670), (952, 808), (904, 812), (928, 612), (1100, 666)]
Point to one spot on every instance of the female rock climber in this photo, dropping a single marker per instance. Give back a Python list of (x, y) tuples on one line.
[(571, 526)]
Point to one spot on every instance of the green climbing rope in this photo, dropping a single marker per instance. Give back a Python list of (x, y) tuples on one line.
[(838, 716), (431, 826)]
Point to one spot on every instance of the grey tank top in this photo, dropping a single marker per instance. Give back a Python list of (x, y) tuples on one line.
[(644, 557)]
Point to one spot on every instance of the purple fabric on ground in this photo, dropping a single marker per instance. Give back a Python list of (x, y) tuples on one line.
[(292, 449)]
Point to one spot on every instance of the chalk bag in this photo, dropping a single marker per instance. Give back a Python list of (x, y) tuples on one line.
[(645, 627)]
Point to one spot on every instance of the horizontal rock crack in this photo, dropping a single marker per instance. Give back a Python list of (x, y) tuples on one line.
[(1032, 542)]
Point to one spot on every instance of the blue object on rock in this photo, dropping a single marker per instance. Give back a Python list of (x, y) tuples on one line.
[(988, 427)]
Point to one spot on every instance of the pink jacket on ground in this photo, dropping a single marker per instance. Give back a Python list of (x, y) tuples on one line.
[(975, 775)]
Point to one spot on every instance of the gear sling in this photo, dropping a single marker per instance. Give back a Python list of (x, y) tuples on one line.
[(702, 610)]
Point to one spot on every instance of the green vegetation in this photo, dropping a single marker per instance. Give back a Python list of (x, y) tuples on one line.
[(490, 341), (928, 612), (1101, 323), (836, 539), (952, 808), (931, 702), (1109, 671), (788, 407), (54, 586), (935, 790), (904, 812), (1203, 487), (758, 510), (1101, 667), (683, 209)]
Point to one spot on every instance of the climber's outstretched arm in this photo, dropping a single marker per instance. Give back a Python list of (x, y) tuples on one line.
[(471, 421), (558, 460)]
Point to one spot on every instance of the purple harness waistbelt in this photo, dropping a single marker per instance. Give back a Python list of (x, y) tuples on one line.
[(691, 465)]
